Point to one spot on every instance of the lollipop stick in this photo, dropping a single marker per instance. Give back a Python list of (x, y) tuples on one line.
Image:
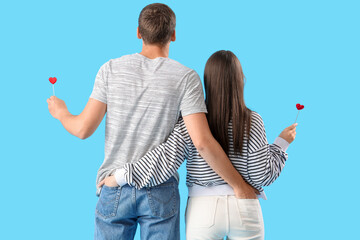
[(53, 90), (297, 116)]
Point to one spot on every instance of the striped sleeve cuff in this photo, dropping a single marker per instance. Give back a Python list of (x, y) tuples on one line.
[(120, 177), (282, 143)]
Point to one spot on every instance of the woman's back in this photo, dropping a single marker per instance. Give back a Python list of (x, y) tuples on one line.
[(259, 163)]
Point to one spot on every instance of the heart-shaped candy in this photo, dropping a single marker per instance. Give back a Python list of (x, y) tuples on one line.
[(299, 106), (52, 80)]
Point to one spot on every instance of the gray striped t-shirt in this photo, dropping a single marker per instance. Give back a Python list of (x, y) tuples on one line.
[(144, 98)]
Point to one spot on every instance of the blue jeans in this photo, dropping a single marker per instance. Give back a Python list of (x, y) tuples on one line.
[(156, 209)]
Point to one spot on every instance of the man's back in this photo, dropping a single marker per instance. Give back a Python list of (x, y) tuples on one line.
[(144, 99)]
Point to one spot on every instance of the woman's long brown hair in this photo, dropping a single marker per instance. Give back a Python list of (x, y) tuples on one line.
[(224, 86)]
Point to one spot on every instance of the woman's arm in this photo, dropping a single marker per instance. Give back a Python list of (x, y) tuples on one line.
[(158, 165), (265, 161)]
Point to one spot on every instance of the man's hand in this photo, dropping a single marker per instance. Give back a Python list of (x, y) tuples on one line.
[(246, 192), (108, 181), (57, 107), (82, 125)]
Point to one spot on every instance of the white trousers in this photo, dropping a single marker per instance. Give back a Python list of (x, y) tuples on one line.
[(216, 217)]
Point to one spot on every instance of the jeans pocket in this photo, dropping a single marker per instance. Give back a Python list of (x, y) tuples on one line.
[(200, 212), (250, 214), (164, 200), (108, 201)]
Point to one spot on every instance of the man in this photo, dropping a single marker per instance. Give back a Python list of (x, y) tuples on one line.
[(143, 96)]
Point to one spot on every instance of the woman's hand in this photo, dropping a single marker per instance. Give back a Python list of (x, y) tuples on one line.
[(289, 133), (108, 181)]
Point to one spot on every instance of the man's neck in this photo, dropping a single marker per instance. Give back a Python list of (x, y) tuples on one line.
[(155, 51)]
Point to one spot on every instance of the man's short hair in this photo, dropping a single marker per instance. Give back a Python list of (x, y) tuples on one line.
[(156, 24)]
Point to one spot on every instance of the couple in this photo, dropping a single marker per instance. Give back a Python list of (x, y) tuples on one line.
[(155, 118)]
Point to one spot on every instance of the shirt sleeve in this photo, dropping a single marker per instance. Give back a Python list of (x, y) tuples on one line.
[(158, 165), (100, 89), (193, 100), (265, 161)]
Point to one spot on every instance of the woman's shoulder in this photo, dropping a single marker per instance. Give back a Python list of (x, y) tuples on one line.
[(257, 130), (256, 118)]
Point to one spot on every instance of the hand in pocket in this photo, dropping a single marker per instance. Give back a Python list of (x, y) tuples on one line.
[(108, 181)]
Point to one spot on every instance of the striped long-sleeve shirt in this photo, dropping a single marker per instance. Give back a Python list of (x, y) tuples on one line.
[(259, 164)]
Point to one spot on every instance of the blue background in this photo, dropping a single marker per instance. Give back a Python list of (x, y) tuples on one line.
[(291, 51)]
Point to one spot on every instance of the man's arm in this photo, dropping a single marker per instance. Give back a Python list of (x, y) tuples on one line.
[(82, 125), (215, 156)]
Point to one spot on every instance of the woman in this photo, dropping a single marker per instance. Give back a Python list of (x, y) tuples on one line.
[(213, 212)]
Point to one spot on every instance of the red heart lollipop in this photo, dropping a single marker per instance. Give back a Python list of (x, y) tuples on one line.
[(299, 106), (53, 80)]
